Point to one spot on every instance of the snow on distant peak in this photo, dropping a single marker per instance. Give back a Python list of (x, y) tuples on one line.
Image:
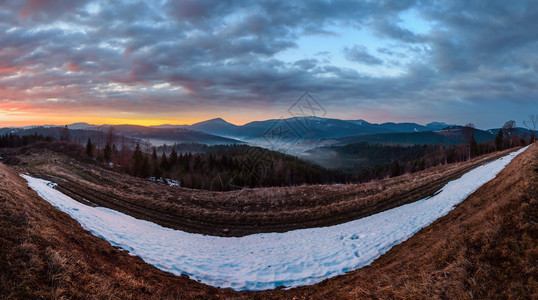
[(439, 125), (436, 124), (358, 122), (269, 260)]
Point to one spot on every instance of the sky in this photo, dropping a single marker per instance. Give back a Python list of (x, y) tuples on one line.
[(180, 62)]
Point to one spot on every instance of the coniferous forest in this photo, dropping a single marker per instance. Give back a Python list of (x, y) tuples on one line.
[(228, 167)]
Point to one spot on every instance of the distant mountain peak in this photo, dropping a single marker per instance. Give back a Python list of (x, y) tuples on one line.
[(79, 125), (436, 124), (214, 121), (310, 118), (359, 122), (439, 125)]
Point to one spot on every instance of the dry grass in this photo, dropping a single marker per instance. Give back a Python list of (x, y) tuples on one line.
[(485, 248), (46, 254)]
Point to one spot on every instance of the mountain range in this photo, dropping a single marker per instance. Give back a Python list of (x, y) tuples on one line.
[(303, 132), (305, 128), (272, 133), (81, 132)]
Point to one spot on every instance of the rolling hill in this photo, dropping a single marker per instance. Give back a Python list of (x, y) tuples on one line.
[(303, 133), (484, 248), (132, 133), (159, 136), (450, 136), (303, 128)]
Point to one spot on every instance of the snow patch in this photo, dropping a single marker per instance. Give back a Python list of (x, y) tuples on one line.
[(172, 182), (268, 260)]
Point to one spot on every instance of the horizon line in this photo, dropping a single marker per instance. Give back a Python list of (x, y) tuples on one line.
[(216, 118)]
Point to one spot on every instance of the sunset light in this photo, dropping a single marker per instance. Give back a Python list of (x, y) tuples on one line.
[(181, 62), (268, 149)]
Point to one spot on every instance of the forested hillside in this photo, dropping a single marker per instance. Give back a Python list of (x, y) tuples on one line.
[(228, 167)]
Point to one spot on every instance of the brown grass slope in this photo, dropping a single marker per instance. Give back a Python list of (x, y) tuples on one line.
[(240, 212), (46, 254), (485, 248)]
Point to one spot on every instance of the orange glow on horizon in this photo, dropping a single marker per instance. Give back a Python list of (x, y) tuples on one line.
[(48, 112), (94, 121), (19, 114), (26, 120)]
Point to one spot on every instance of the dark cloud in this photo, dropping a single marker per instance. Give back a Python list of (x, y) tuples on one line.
[(360, 54), (389, 28), (38, 10), (306, 64), (136, 54)]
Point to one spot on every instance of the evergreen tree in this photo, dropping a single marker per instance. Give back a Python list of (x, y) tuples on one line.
[(499, 140), (212, 161), (164, 162), (114, 150), (395, 168), (138, 161), (157, 171), (107, 152), (145, 167), (154, 156), (173, 158), (89, 148)]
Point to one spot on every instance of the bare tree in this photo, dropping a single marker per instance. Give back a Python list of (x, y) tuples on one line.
[(65, 134), (146, 145), (509, 131), (468, 135), (533, 119), (99, 143), (112, 135), (468, 131)]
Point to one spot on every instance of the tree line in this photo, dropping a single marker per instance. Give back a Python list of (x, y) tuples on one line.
[(9, 140), (227, 167), (382, 160)]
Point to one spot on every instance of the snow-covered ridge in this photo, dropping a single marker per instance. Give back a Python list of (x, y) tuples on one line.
[(268, 260)]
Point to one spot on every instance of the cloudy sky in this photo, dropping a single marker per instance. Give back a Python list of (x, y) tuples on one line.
[(154, 62)]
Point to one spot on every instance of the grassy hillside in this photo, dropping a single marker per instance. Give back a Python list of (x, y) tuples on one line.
[(485, 248), (120, 135), (238, 212)]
